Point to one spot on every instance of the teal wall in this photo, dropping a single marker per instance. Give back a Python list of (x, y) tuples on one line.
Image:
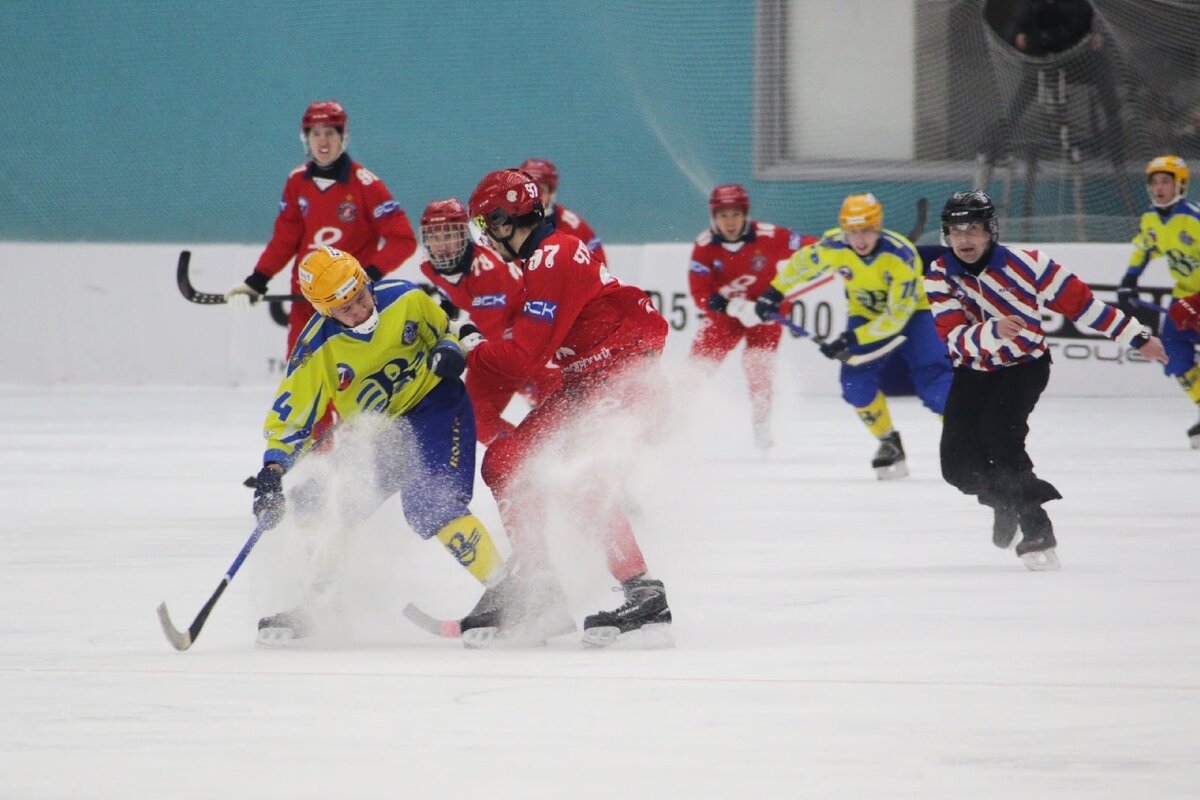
[(171, 121)]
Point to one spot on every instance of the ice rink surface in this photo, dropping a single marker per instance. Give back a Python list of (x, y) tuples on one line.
[(837, 637)]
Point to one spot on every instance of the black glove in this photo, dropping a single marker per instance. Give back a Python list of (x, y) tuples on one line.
[(374, 272), (839, 349), (717, 303), (1128, 291), (447, 359), (768, 303), (269, 502), (258, 282)]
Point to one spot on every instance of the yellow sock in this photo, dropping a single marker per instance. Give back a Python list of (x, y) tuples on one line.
[(876, 417), (1190, 381), (471, 545)]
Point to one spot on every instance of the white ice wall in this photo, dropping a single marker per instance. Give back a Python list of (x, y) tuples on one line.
[(110, 314)]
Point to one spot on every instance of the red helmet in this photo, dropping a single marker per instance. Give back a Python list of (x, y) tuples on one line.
[(445, 234), (729, 195), (543, 171), (443, 211), (324, 112), (507, 196)]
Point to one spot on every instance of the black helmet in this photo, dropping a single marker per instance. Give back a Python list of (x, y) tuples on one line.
[(968, 207)]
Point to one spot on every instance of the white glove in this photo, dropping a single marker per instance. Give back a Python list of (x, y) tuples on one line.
[(242, 297), (465, 331), (743, 311)]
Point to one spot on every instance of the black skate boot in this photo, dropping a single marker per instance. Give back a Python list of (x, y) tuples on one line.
[(287, 626), (1194, 436), (1004, 526), (645, 610), (1037, 544), (888, 462)]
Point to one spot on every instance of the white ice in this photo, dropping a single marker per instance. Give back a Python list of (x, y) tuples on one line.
[(838, 637)]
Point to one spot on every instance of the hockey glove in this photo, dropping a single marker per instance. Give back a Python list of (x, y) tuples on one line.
[(1185, 312), (269, 502), (248, 292), (447, 359), (838, 349), (468, 335), (742, 310), (1127, 292), (768, 304), (717, 303)]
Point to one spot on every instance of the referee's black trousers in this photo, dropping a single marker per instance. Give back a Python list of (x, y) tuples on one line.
[(983, 435)]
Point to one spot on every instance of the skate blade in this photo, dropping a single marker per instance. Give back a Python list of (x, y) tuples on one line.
[(651, 636), (276, 637), (892, 471), (479, 638), (1041, 561)]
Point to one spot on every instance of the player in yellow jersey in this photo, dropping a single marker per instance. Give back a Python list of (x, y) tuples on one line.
[(384, 355), (883, 283), (1171, 230)]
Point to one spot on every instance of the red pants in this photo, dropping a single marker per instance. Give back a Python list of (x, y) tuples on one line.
[(720, 333), (572, 447)]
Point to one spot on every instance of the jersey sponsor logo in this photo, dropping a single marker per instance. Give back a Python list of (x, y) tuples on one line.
[(385, 208), (345, 375), (1186, 238), (489, 301), (541, 310), (846, 272), (410, 333), (347, 211), (282, 203), (303, 204), (758, 263), (696, 266)]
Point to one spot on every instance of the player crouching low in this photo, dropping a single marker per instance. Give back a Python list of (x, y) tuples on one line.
[(380, 353)]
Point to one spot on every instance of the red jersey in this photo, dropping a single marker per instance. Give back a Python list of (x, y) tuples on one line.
[(352, 214), (567, 221), (576, 316), (491, 291), (744, 268)]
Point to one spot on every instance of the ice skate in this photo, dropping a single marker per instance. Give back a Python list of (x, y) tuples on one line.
[(1036, 548), (1004, 527), (281, 629), (888, 462), (763, 439), (644, 616), (521, 610), (1194, 436)]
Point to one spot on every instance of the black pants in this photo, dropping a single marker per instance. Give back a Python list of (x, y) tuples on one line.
[(983, 435)]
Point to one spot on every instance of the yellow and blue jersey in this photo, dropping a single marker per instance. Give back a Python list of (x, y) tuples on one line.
[(385, 371), (1176, 237), (883, 288)]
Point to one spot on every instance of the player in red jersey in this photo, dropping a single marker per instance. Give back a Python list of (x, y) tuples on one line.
[(492, 292), (330, 200), (606, 339), (561, 217), (733, 262)]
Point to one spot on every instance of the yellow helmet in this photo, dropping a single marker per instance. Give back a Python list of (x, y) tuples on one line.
[(861, 212), (330, 278), (1174, 166)]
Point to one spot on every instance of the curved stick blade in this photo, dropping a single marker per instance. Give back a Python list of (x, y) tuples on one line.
[(180, 640)]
